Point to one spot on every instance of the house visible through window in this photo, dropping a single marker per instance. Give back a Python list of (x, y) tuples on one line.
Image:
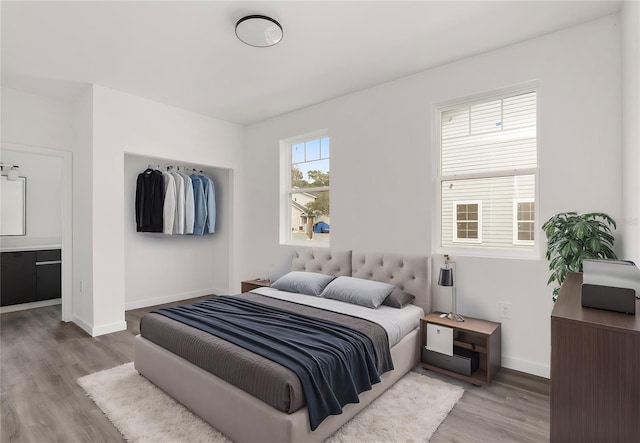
[(488, 171), (308, 191), (467, 221), (524, 223)]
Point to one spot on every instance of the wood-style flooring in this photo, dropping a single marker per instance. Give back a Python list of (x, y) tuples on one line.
[(41, 358)]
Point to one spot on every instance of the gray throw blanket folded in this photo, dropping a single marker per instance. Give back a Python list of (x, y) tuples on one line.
[(334, 362)]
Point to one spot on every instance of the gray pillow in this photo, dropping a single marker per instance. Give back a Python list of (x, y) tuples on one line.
[(398, 299), (358, 291), (310, 283)]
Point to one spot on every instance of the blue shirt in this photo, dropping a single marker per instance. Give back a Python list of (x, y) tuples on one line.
[(199, 204), (210, 197)]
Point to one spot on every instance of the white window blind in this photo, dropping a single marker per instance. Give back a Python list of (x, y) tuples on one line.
[(488, 153)]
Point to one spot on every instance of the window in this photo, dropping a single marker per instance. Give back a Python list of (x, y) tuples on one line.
[(467, 221), (488, 171), (523, 221), (307, 203)]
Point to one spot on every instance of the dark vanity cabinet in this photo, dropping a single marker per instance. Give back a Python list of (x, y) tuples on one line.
[(29, 276)]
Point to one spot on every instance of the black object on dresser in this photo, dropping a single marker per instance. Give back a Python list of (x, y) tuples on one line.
[(30, 276)]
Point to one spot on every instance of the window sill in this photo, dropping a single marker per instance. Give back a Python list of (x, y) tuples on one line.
[(491, 253), (311, 243)]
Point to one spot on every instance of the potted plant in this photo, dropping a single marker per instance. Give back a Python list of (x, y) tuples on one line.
[(573, 237)]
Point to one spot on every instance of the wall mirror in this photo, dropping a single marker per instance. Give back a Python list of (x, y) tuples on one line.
[(13, 195)]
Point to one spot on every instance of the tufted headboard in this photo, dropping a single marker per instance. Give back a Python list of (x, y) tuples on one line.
[(322, 261), (409, 273)]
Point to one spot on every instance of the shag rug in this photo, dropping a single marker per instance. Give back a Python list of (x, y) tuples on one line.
[(409, 411)]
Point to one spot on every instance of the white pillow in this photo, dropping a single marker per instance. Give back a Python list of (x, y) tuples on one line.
[(358, 291), (310, 283)]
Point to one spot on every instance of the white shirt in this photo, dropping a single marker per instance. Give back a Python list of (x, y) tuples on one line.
[(169, 209), (178, 222), (189, 205)]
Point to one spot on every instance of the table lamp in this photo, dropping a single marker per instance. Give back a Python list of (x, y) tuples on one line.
[(446, 279)]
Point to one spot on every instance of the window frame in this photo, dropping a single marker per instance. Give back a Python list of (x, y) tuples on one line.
[(516, 240), (534, 253), (286, 190), (456, 203)]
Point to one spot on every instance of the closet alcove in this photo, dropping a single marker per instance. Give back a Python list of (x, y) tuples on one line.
[(162, 268)]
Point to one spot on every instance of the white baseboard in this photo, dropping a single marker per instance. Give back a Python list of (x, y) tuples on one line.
[(109, 328), (86, 327), (529, 367), (32, 305), (95, 331), (137, 304)]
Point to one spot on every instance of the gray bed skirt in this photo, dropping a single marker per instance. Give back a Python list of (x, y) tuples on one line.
[(242, 417)]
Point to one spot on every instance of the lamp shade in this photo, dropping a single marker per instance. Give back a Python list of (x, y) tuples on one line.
[(446, 277)]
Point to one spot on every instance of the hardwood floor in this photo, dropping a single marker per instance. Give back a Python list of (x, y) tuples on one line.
[(41, 358)]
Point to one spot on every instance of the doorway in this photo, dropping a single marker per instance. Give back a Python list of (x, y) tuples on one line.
[(65, 159)]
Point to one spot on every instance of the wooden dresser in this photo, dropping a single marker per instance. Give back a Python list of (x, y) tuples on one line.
[(595, 371)]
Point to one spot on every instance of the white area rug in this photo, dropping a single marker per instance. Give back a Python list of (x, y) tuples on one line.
[(410, 411)]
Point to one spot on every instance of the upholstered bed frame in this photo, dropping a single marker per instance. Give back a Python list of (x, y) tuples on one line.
[(242, 417)]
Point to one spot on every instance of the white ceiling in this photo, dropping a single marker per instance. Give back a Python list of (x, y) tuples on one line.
[(186, 54)]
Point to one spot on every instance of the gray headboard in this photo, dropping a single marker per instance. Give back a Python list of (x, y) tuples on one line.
[(410, 273), (322, 261)]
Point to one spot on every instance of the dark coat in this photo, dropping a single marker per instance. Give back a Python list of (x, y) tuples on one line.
[(149, 201)]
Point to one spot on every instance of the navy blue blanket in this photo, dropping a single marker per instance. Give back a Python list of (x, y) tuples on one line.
[(334, 362)]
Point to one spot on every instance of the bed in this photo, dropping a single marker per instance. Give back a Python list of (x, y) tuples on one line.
[(245, 418)]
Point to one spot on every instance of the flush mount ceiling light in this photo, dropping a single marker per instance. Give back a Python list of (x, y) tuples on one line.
[(258, 30)]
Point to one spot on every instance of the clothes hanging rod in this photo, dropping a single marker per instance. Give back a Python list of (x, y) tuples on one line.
[(170, 167)]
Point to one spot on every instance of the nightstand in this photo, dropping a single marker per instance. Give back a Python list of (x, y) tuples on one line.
[(479, 336), (248, 285)]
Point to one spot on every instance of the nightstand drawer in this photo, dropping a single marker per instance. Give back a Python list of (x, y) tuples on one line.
[(462, 361), (440, 339)]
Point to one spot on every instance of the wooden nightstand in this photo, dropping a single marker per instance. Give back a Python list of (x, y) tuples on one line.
[(248, 285), (476, 335)]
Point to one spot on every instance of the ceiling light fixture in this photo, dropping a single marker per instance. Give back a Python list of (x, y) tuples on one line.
[(259, 31)]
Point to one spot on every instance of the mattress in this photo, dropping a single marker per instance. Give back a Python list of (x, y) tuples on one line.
[(397, 322), (264, 379)]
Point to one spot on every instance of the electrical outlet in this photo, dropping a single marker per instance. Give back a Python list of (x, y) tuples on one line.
[(504, 309)]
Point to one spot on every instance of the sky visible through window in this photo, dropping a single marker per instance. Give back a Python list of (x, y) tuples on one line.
[(311, 155)]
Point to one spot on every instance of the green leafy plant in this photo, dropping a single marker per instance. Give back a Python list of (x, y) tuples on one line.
[(571, 238)]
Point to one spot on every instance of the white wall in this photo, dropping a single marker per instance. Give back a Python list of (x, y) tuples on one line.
[(381, 141), (82, 282), (125, 124), (34, 120), (190, 265), (44, 196), (630, 32)]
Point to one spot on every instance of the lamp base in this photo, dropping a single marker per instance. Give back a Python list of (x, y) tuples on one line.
[(453, 316)]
